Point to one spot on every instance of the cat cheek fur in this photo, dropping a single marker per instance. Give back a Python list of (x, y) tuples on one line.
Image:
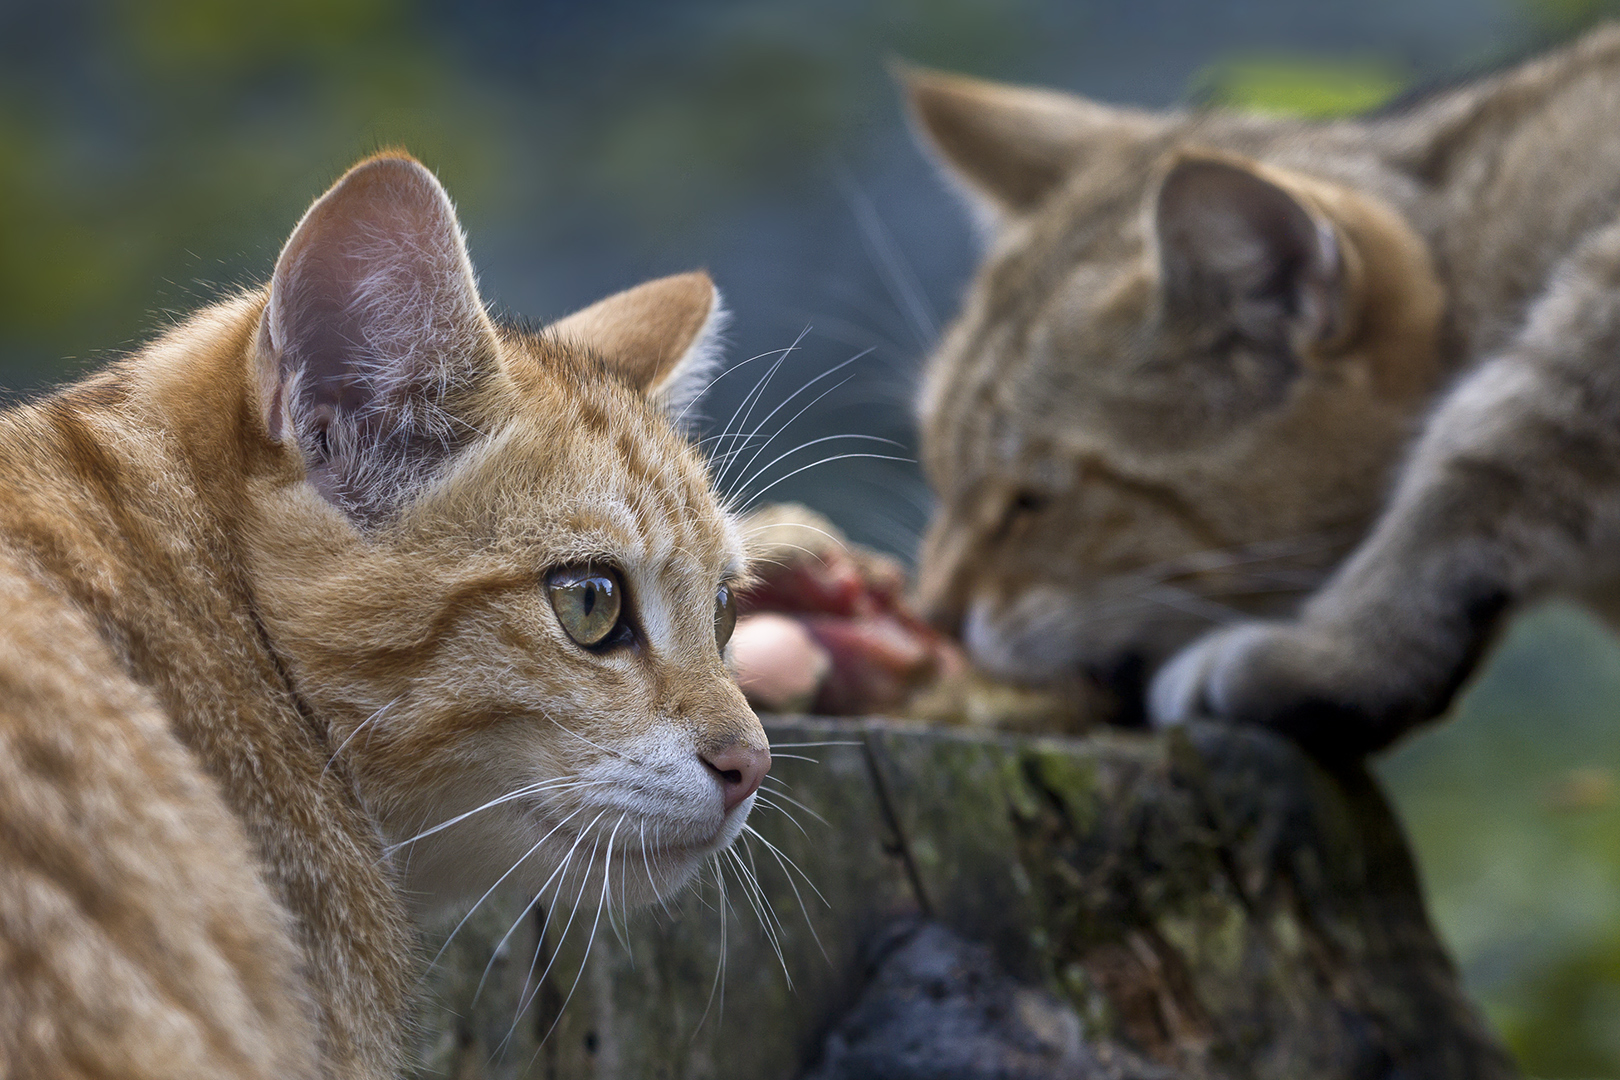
[(1223, 357), (274, 598)]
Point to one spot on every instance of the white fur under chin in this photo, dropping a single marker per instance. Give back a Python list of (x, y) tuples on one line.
[(1034, 640), (654, 806)]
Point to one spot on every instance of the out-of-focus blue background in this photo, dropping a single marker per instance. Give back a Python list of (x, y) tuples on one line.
[(155, 152)]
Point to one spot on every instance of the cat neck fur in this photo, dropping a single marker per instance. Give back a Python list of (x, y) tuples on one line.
[(1200, 341), (234, 695)]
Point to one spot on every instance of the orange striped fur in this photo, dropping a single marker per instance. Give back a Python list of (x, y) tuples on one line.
[(274, 602)]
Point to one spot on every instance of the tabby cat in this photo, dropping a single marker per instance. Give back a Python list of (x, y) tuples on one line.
[(337, 601), (1195, 360)]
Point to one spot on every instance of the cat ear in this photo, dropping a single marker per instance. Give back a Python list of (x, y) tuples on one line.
[(661, 337), (373, 328), (1007, 146), (1234, 244)]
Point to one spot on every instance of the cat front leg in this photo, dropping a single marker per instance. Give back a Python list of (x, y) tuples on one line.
[(1513, 491)]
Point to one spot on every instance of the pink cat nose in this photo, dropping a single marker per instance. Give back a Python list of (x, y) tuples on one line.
[(740, 770)]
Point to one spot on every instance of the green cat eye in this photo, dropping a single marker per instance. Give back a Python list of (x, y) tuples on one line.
[(588, 602), (725, 615)]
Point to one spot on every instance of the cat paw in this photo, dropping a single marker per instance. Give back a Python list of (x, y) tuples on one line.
[(1307, 684)]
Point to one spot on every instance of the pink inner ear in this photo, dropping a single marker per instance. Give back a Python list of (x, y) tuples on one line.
[(1231, 239), (373, 297)]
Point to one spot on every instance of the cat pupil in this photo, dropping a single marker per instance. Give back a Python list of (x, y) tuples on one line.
[(589, 602)]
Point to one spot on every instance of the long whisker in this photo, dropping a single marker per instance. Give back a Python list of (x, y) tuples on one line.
[(769, 805), (829, 742), (624, 908), (805, 446), (835, 369), (529, 995), (1181, 600), (762, 911), (607, 890), (738, 366), (773, 849), (606, 750), (804, 908), (350, 738), (902, 285), (525, 914), (753, 395), (527, 998), (503, 877), (760, 449), (839, 540), (528, 789), (800, 805), (719, 982), (836, 457)]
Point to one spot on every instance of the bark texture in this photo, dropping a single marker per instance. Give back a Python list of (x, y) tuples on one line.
[(1207, 903)]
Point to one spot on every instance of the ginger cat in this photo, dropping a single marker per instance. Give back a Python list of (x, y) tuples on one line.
[(1188, 374), (327, 566)]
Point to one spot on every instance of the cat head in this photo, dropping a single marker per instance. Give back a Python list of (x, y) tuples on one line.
[(1177, 384), (494, 570)]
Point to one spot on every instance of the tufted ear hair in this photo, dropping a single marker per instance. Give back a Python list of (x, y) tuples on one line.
[(1235, 244), (662, 337), (373, 330), (1007, 147)]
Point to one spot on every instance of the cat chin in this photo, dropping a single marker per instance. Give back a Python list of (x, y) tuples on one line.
[(1048, 637), (1033, 640), (459, 868)]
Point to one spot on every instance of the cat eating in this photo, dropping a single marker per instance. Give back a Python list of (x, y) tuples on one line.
[(337, 602), (1214, 361)]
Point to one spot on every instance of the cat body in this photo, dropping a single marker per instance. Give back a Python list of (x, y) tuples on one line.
[(1199, 350), (291, 588)]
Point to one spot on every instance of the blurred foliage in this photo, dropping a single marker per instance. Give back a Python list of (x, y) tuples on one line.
[(144, 141), (175, 135), (1513, 806), (1558, 19), (1315, 89)]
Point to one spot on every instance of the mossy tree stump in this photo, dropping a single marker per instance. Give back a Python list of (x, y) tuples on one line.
[(1210, 902)]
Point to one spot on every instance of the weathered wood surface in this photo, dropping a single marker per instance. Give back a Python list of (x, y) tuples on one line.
[(1209, 902)]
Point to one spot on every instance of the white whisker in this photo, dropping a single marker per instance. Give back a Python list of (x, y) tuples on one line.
[(760, 449), (753, 395), (549, 911), (784, 402), (797, 896), (719, 982), (800, 525), (762, 911), (538, 786), (800, 805), (769, 805), (902, 285), (778, 459), (738, 366), (497, 885), (788, 862), (830, 742), (350, 738), (836, 457)]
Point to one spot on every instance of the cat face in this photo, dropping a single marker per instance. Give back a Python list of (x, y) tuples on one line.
[(491, 565), (1176, 386)]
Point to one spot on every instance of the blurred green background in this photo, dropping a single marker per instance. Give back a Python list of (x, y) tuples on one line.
[(154, 153)]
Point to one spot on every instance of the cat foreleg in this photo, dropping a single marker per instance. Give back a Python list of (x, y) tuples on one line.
[(1513, 491)]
